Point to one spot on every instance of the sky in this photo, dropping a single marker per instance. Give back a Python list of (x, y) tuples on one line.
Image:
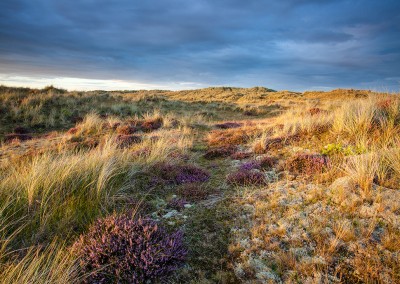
[(188, 44)]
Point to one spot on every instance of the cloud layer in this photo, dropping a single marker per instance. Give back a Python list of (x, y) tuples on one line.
[(291, 44)]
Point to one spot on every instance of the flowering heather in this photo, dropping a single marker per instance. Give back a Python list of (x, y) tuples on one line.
[(227, 125), (119, 249), (180, 174), (246, 177), (177, 204), (220, 152), (250, 165), (307, 164)]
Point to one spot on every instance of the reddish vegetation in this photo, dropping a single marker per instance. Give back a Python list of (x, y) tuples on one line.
[(230, 137), (385, 104), (268, 162), (151, 124), (17, 137), (240, 155), (219, 152), (308, 164), (246, 177), (120, 249), (193, 192), (227, 125), (275, 143), (314, 110), (72, 130), (166, 173), (127, 140), (126, 129)]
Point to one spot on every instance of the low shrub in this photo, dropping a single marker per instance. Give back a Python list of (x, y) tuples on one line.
[(250, 165), (193, 192), (267, 162), (179, 174), (227, 125), (240, 155), (21, 130), (230, 137), (246, 177), (219, 152), (314, 111), (120, 249), (308, 164), (127, 140), (151, 124), (17, 137), (126, 129), (177, 204), (337, 148)]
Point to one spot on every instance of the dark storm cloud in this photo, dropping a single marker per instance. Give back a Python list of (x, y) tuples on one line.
[(292, 44)]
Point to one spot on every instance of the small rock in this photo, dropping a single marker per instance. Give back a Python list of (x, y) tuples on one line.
[(170, 214)]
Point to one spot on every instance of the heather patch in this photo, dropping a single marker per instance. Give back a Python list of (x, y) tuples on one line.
[(127, 140), (193, 192), (250, 165), (219, 152), (230, 137), (120, 249), (308, 164), (267, 162), (246, 177), (227, 125), (178, 174), (17, 137), (240, 155), (177, 204)]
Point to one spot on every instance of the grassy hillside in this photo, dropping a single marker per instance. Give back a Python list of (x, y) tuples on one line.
[(232, 185)]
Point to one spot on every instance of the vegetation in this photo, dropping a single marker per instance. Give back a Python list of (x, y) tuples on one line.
[(218, 185)]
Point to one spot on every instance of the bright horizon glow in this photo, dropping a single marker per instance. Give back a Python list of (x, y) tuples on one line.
[(81, 84)]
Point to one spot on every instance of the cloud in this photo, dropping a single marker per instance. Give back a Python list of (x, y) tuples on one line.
[(279, 44)]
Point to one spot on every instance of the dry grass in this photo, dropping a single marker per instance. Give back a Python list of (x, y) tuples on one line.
[(285, 220)]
